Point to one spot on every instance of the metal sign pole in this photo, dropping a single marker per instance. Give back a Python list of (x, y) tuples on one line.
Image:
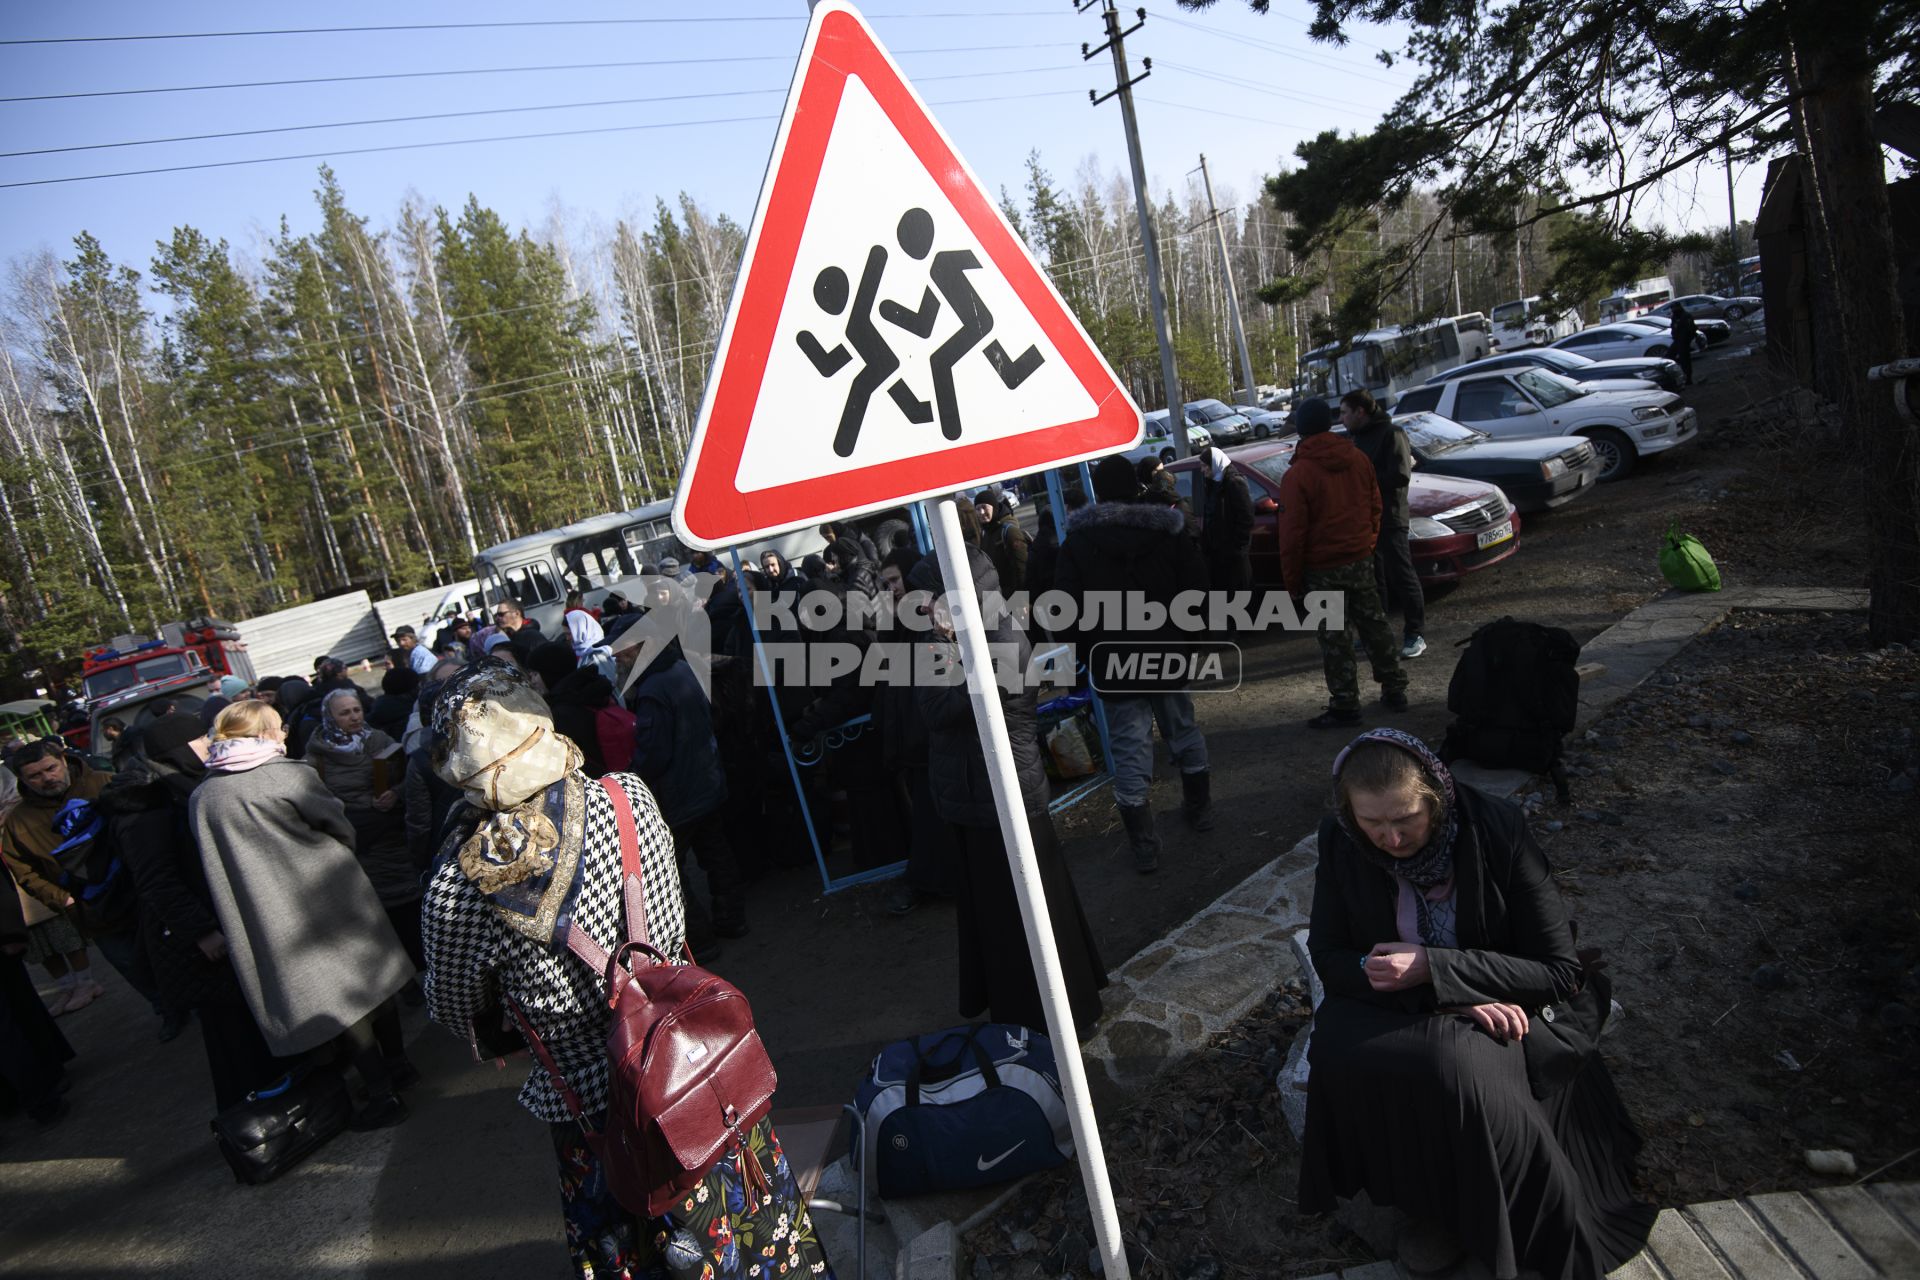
[(988, 715)]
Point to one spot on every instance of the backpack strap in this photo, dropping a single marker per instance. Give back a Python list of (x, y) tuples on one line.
[(560, 1085), (632, 880)]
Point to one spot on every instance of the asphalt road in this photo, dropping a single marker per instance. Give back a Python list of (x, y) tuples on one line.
[(130, 1185)]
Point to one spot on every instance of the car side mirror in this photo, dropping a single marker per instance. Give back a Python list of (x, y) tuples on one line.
[(1266, 506)]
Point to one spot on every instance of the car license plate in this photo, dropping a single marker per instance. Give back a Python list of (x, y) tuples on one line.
[(1499, 533)]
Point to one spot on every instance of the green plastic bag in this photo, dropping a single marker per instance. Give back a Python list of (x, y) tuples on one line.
[(1684, 562)]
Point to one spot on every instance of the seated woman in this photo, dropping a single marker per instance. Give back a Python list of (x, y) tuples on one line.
[(366, 769), (534, 852), (1443, 1080)]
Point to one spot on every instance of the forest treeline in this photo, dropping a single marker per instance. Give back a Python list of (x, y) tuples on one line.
[(362, 406)]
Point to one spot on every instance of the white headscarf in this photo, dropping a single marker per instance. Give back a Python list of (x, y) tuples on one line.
[(1216, 464), (585, 633)]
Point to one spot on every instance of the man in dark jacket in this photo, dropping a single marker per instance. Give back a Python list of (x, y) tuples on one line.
[(1122, 546), (1005, 542), (1226, 523), (1329, 523), (676, 753), (1684, 331), (1372, 431)]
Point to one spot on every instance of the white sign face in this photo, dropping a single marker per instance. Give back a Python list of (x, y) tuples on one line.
[(897, 335)]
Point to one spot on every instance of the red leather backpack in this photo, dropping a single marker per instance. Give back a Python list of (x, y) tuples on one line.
[(687, 1076)]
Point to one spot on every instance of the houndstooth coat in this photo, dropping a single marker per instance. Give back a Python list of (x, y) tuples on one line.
[(473, 957)]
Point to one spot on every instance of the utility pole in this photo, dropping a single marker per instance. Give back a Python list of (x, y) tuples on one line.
[(1226, 270), (1733, 229), (1123, 89)]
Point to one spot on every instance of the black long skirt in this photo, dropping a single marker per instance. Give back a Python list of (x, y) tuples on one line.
[(996, 970), (1431, 1115)]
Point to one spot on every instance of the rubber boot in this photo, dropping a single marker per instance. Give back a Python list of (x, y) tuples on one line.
[(1197, 799), (1138, 819)]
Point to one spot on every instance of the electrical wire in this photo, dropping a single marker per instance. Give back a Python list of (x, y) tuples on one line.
[(486, 71), (468, 142), (490, 26), (484, 111), (1242, 40), (1254, 86), (1211, 111)]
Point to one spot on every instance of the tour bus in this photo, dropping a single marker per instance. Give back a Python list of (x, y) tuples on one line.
[(1636, 299), (1386, 361), (596, 556)]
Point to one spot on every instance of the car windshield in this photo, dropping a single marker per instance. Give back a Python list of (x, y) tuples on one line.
[(1550, 389), (1213, 411), (1565, 360), (1433, 435), (1274, 465)]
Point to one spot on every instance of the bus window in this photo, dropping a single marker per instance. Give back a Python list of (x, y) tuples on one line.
[(587, 564), (531, 584)]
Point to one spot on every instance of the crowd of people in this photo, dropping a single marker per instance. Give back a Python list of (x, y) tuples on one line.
[(294, 862)]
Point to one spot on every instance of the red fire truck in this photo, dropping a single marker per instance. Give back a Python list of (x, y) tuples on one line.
[(134, 679)]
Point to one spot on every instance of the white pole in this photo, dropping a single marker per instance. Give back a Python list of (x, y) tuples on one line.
[(957, 572)]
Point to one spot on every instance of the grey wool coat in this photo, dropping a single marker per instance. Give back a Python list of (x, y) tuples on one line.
[(312, 947)]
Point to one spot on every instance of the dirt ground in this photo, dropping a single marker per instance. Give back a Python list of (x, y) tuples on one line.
[(1740, 842)]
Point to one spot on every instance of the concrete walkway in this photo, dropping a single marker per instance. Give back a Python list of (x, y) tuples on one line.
[(1837, 1233)]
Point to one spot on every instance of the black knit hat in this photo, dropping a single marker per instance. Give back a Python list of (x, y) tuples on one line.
[(1313, 417), (554, 661), (1114, 480), (168, 734)]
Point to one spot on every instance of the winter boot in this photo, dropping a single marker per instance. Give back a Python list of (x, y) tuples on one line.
[(1197, 799), (729, 917), (1138, 819)]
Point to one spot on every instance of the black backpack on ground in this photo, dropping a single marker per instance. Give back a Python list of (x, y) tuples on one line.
[(1515, 695)]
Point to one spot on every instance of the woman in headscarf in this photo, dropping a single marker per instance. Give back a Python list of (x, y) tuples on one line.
[(146, 808), (1226, 523), (996, 968), (315, 954), (533, 852), (366, 769), (1454, 1073)]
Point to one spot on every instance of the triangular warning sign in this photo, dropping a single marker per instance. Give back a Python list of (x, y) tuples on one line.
[(890, 338)]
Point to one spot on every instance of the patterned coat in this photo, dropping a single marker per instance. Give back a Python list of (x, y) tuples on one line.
[(473, 957)]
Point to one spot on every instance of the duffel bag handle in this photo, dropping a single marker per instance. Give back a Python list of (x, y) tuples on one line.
[(980, 1057)]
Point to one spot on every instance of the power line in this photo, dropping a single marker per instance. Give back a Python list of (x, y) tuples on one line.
[(489, 26), (467, 142), (483, 71), (1273, 47), (484, 111), (1254, 86), (1224, 115)]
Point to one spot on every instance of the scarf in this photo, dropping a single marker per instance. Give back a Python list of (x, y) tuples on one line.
[(584, 631), (492, 737), (334, 738), (1216, 464), (1429, 873), (237, 755)]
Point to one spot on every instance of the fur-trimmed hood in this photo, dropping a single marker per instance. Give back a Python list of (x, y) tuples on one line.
[(1127, 515)]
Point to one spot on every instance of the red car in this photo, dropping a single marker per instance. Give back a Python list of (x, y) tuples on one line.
[(1458, 526)]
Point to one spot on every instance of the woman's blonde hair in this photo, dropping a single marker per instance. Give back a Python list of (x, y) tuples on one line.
[(1374, 767), (249, 719)]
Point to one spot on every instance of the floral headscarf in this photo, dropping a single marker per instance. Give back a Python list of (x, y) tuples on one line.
[(1430, 871), (493, 738), (334, 738)]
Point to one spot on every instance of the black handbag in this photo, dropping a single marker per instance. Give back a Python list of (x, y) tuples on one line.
[(1560, 1037), (275, 1129)]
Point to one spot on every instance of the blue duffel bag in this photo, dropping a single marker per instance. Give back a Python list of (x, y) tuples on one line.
[(964, 1107)]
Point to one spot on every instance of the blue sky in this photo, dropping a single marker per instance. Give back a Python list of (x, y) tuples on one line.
[(1004, 76)]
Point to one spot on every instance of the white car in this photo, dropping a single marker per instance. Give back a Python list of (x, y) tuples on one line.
[(1616, 342), (1522, 404), (1158, 442)]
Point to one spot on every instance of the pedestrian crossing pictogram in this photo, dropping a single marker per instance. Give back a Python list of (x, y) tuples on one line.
[(890, 337)]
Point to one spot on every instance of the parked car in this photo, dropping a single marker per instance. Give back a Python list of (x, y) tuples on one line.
[(1158, 441), (1265, 421), (1617, 342), (1458, 526), (1622, 426), (1595, 374), (1225, 425), (1536, 474), (1711, 305), (1708, 332)]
